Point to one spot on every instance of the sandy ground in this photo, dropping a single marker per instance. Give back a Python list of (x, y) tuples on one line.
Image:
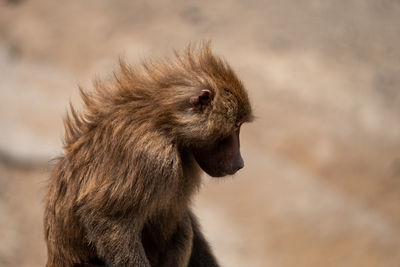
[(321, 186)]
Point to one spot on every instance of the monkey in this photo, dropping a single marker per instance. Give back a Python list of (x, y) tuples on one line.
[(120, 194)]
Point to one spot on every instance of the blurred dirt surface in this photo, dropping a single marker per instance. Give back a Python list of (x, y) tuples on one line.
[(321, 186)]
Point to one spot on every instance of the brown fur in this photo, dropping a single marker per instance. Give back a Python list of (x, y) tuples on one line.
[(120, 194)]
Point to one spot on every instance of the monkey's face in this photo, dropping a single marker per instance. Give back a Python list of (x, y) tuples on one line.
[(223, 158), (220, 156), (208, 112)]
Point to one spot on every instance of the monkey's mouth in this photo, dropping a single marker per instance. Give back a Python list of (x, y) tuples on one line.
[(223, 158), (221, 174), (217, 174), (217, 166)]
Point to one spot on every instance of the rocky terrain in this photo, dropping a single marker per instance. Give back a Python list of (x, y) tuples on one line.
[(321, 186)]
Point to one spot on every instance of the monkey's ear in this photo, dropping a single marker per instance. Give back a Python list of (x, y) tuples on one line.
[(200, 102)]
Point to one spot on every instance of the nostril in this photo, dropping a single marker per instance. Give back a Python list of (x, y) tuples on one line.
[(239, 165)]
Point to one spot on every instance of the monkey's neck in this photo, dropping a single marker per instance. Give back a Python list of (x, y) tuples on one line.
[(191, 174), (184, 189)]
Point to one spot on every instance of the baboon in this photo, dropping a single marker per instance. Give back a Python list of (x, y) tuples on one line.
[(120, 194)]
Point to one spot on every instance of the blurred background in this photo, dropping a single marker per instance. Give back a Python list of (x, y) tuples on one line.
[(321, 186)]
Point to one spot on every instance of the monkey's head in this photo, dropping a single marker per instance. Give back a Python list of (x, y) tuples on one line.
[(220, 112), (212, 106)]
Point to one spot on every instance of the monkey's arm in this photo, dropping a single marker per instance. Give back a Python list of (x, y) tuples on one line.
[(117, 240), (201, 251), (180, 247)]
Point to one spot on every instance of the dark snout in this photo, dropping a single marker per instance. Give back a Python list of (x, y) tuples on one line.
[(234, 161), (222, 159), (238, 163)]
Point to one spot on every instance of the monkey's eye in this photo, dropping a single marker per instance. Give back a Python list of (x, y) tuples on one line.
[(237, 125)]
